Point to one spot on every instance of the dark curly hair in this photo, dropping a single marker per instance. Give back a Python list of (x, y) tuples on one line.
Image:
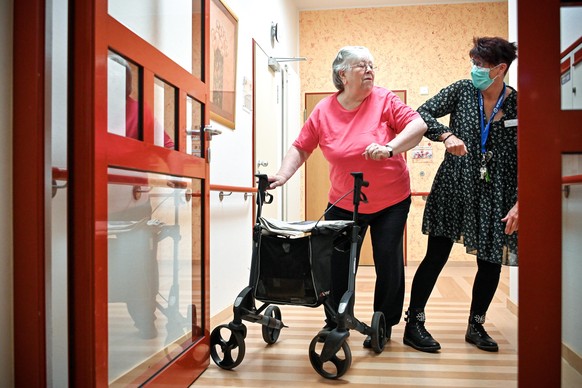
[(494, 50)]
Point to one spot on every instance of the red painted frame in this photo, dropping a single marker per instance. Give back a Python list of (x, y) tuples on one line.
[(545, 132), (28, 194)]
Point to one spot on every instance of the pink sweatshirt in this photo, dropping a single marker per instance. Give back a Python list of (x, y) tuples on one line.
[(343, 136)]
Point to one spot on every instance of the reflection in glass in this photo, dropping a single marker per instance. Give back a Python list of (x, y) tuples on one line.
[(173, 27), (194, 122), (123, 95), (571, 263), (571, 56), (164, 114), (154, 271)]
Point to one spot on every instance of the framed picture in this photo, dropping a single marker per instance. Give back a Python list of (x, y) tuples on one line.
[(223, 50)]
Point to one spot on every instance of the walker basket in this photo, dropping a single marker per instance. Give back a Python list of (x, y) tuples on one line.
[(295, 268)]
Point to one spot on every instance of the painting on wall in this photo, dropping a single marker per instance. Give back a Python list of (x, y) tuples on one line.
[(423, 152), (223, 52)]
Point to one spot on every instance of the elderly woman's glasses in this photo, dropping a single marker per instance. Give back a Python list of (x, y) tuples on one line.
[(364, 66)]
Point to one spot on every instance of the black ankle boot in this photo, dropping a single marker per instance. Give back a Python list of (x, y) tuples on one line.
[(416, 335), (477, 335)]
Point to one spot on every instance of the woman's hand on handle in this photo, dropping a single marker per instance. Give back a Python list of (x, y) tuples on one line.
[(276, 181)]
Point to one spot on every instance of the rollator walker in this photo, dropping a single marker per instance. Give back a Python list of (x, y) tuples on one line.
[(291, 265)]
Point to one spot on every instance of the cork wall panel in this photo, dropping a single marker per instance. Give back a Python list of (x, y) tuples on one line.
[(413, 47)]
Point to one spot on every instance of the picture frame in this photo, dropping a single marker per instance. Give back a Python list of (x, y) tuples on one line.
[(223, 55)]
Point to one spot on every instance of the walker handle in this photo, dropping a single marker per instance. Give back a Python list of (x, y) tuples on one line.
[(358, 195), (262, 195)]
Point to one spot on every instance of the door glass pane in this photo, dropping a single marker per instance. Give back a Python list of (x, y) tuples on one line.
[(154, 271), (194, 138), (571, 55), (164, 114), (57, 335), (160, 22), (571, 266), (123, 96)]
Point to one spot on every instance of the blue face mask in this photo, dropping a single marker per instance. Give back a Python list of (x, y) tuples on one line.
[(480, 77)]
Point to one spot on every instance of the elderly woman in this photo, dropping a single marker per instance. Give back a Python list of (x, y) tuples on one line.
[(363, 128)]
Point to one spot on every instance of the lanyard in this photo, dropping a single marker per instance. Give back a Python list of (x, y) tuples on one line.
[(485, 128)]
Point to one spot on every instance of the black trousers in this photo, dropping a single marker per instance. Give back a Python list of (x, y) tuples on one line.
[(437, 254), (386, 230)]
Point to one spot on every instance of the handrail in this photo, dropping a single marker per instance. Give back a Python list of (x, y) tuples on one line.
[(226, 191), (60, 174), (236, 189), (570, 180), (423, 194), (419, 193)]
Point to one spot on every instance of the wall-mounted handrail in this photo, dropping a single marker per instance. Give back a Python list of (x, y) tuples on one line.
[(225, 191), (422, 194), (141, 184), (570, 180)]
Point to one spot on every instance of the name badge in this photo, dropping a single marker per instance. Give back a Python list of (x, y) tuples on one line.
[(510, 123)]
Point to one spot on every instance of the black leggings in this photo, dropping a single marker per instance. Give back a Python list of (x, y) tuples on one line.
[(437, 254)]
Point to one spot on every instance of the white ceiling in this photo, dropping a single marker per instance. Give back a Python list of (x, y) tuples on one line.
[(335, 4)]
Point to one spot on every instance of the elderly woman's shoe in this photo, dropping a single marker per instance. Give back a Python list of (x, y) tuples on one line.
[(477, 335), (416, 335)]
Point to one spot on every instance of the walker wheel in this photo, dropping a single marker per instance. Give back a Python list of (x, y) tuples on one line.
[(270, 335), (227, 354), (379, 335), (337, 366)]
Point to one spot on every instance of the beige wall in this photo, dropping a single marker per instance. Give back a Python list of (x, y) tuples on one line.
[(413, 46)]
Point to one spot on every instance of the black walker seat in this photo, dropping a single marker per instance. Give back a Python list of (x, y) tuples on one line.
[(291, 265)]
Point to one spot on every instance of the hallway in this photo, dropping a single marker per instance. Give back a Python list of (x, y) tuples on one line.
[(286, 363)]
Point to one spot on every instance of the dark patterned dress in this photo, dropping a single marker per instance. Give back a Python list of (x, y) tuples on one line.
[(461, 205)]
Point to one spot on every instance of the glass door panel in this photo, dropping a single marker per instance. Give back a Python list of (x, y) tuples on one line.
[(571, 266), (159, 23), (124, 93), (154, 271), (571, 55), (164, 114)]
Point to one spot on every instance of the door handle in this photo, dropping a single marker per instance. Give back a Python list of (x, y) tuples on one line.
[(207, 129), (211, 131)]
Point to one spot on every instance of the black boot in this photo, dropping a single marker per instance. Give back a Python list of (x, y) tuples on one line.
[(477, 335), (416, 335)]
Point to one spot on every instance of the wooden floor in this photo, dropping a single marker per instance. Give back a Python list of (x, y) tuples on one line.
[(286, 363)]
